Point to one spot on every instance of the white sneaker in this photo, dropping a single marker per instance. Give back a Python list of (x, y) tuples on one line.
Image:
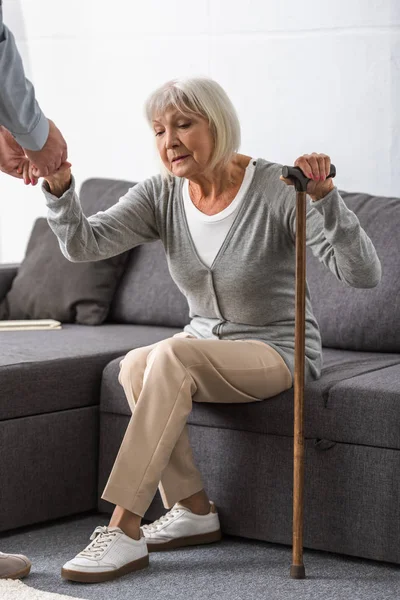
[(14, 566), (181, 527), (110, 555)]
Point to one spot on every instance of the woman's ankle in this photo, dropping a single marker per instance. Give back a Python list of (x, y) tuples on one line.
[(198, 503), (127, 521), (131, 531), (201, 511)]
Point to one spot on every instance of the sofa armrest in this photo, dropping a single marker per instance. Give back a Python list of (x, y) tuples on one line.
[(7, 274)]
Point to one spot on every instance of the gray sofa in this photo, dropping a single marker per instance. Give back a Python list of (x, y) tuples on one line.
[(63, 413)]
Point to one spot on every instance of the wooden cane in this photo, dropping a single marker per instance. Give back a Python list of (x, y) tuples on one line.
[(300, 181)]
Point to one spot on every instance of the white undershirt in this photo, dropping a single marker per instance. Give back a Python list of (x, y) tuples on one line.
[(209, 231)]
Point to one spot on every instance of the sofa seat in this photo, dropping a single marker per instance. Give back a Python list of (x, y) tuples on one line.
[(244, 453), (49, 416), (46, 371), (351, 385)]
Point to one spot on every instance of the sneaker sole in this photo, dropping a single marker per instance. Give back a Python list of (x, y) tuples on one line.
[(193, 540), (99, 577), (19, 574)]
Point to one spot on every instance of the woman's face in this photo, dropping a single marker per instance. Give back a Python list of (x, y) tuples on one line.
[(178, 135)]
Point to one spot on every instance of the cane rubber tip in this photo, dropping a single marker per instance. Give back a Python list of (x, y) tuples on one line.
[(297, 572)]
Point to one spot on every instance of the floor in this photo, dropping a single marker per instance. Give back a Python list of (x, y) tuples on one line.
[(233, 569)]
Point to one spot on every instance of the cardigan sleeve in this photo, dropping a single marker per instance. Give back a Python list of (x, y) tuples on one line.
[(126, 224), (336, 238)]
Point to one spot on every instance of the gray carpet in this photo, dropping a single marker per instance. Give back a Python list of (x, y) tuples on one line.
[(234, 569)]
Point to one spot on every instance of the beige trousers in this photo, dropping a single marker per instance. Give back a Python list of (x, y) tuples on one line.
[(160, 381)]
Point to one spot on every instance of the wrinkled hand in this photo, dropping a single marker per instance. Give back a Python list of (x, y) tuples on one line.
[(61, 179), (12, 154), (53, 154), (57, 179), (316, 167)]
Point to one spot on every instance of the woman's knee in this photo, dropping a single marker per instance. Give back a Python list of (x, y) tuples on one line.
[(134, 359), (137, 355), (174, 347), (138, 358)]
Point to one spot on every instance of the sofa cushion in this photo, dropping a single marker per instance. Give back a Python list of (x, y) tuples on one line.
[(100, 193), (147, 294), (7, 273), (333, 420), (366, 408), (49, 286), (362, 319), (46, 371)]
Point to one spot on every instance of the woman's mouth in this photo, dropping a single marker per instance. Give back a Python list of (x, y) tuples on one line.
[(181, 159)]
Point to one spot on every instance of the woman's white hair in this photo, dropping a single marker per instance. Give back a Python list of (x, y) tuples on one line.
[(201, 96)]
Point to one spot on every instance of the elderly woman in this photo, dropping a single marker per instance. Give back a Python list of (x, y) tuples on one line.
[(227, 223)]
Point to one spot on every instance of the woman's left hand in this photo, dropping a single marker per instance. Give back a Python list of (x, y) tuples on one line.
[(316, 167)]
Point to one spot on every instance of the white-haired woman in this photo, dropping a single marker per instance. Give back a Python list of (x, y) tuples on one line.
[(227, 223)]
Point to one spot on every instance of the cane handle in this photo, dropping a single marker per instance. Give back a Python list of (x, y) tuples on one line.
[(300, 180)]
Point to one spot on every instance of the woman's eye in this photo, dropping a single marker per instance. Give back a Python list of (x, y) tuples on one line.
[(182, 126)]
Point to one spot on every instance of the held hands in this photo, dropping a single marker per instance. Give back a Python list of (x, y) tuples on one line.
[(316, 167), (30, 165), (57, 180), (60, 181), (53, 154)]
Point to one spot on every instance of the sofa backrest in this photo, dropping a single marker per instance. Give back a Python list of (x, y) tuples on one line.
[(99, 194), (146, 293), (349, 318), (362, 319)]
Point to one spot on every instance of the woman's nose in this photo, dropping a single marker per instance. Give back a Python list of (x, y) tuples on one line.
[(171, 139)]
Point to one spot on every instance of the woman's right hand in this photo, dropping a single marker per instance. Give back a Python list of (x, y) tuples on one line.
[(58, 182), (61, 177)]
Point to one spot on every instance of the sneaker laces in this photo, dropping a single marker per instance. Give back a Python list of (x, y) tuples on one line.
[(167, 517), (102, 537)]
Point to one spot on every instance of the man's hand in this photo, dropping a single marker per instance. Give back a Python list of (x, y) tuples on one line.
[(53, 154), (12, 155)]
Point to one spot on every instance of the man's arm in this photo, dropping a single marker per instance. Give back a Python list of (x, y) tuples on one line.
[(20, 113)]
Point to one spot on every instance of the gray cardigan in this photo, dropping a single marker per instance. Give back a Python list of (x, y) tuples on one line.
[(249, 291)]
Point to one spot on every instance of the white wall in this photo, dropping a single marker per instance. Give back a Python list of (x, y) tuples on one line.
[(311, 76)]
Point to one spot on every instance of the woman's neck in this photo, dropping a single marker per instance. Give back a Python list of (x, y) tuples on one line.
[(210, 189)]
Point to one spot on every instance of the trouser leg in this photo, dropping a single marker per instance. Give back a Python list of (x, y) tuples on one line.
[(180, 474), (176, 371)]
